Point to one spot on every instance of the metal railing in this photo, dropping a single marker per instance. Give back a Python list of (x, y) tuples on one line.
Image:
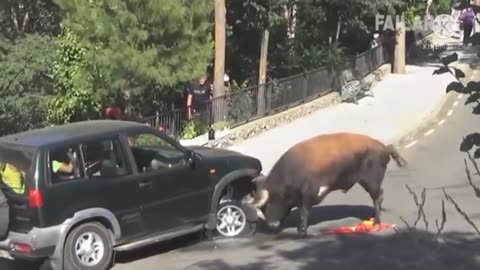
[(255, 102)]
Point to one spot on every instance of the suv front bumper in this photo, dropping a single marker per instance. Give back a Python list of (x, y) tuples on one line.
[(37, 243)]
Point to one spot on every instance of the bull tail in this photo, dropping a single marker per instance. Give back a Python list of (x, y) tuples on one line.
[(393, 152)]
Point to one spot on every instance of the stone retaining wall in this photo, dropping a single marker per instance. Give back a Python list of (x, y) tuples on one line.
[(259, 126)]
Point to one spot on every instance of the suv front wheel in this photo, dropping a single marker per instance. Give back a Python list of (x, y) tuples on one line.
[(88, 246), (232, 220)]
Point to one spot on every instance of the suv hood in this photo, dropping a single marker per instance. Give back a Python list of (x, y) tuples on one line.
[(226, 160), (209, 152)]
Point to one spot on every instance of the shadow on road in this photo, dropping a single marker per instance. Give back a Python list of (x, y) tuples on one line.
[(164, 247), (403, 250), (188, 243), (324, 213)]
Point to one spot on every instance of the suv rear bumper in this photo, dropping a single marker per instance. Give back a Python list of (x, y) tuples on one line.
[(37, 243)]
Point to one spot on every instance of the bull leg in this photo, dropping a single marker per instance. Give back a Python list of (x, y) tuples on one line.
[(303, 225), (377, 197), (372, 183), (355, 100), (377, 204)]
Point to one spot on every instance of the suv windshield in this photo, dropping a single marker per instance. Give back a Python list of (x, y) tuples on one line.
[(15, 165)]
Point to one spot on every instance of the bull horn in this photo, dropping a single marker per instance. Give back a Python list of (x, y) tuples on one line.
[(261, 196), (260, 214), (259, 178)]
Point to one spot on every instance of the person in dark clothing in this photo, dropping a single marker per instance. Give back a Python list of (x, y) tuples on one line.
[(467, 20), (199, 93)]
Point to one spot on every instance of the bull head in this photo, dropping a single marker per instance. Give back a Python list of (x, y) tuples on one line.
[(261, 194)]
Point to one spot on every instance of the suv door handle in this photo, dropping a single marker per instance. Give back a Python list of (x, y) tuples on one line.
[(145, 185)]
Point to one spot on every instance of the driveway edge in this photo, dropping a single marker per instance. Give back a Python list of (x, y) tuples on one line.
[(438, 113)]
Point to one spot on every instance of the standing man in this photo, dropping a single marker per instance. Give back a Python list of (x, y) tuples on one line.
[(467, 19), (199, 93)]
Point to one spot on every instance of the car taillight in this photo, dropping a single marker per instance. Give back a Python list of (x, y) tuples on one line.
[(23, 248), (35, 198)]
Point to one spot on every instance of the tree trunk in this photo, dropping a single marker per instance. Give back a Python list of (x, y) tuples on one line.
[(339, 26), (13, 15), (399, 52), (219, 69), (218, 108), (26, 21), (262, 74), (291, 17)]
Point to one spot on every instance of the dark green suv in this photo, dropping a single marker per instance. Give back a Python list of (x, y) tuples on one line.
[(73, 194)]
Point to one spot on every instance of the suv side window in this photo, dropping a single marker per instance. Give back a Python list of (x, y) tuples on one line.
[(104, 158), (152, 152), (64, 164)]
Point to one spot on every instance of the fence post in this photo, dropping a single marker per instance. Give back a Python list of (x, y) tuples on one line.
[(306, 77), (261, 100), (268, 97), (172, 126), (211, 131), (157, 119)]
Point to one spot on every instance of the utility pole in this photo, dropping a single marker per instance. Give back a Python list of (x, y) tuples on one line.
[(262, 73), (219, 68), (399, 51)]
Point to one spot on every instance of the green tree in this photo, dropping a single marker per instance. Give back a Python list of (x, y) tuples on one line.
[(26, 16), (440, 7), (25, 84), (27, 52), (246, 21), (134, 44), (75, 98)]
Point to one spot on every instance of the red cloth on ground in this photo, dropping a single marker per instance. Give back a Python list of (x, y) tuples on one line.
[(365, 226)]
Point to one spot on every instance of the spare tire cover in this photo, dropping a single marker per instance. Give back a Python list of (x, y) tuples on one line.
[(4, 215)]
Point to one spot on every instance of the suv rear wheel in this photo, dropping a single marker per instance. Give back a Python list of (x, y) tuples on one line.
[(232, 220), (88, 246)]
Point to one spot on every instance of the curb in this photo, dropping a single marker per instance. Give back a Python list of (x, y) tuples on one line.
[(440, 110)]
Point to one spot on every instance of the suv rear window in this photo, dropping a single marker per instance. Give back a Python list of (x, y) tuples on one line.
[(15, 165)]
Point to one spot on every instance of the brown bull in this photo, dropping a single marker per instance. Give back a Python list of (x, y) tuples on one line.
[(307, 172)]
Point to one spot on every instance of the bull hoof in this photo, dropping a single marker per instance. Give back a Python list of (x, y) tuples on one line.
[(302, 234), (209, 235)]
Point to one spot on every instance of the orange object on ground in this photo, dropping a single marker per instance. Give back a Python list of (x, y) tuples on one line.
[(365, 226)]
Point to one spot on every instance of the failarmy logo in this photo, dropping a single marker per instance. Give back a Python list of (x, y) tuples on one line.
[(443, 26)]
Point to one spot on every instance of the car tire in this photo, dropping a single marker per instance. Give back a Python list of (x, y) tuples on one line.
[(4, 215), (232, 221), (101, 241)]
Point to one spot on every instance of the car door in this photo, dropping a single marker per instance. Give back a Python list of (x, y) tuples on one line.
[(178, 192), (113, 184)]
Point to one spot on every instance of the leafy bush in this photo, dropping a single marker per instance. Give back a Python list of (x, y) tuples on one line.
[(241, 103), (193, 129), (75, 98), (220, 125)]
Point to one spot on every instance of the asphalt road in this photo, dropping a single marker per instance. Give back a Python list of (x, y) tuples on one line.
[(435, 163)]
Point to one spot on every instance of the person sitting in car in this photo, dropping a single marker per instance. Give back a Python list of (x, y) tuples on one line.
[(64, 167), (13, 178), (62, 170)]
